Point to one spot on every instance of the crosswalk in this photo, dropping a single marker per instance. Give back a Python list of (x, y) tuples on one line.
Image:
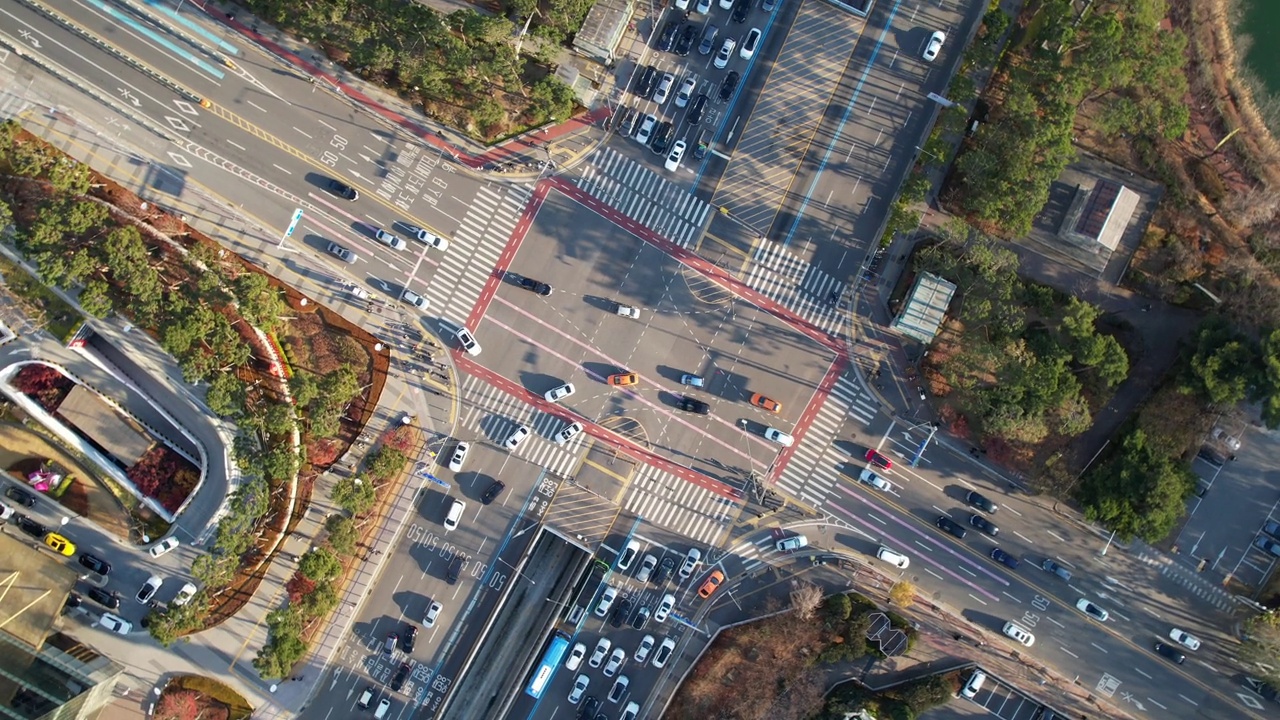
[(474, 249), (798, 286), (814, 468), (754, 553), (665, 500), (492, 414), (644, 196)]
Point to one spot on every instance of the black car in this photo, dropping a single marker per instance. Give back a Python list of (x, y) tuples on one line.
[(1170, 652), (641, 619), (402, 674), (110, 601), (408, 637), (695, 109), (667, 39), (455, 568), (685, 43), (20, 496), (1004, 558), (628, 127), (984, 525), (662, 136), (981, 502), (31, 527), (620, 613), (693, 405), (667, 568), (951, 526), (73, 601), (589, 707), (343, 190), (535, 286), (102, 567), (648, 80), (740, 10), (729, 84), (493, 492)]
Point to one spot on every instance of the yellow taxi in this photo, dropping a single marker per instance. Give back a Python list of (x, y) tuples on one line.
[(624, 379), (60, 544)]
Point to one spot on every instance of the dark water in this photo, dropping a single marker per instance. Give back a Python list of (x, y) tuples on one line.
[(1262, 23)]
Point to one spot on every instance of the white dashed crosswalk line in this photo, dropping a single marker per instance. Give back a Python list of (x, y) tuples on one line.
[(664, 500), (797, 285), (475, 246), (644, 196), (815, 465)]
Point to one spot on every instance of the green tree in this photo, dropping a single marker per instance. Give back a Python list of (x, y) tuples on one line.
[(259, 303), (304, 388), (319, 565), (1261, 646), (226, 394), (284, 646), (279, 419), (1223, 367), (354, 494), (96, 299), (1139, 492), (342, 534), (385, 463), (1269, 389)]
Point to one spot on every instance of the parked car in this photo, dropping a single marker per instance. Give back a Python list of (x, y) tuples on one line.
[(115, 624), (647, 566), (31, 527), (602, 650), (491, 494), (749, 45), (687, 37), (667, 38), (664, 608), (663, 91), (740, 11), (612, 667), (606, 601), (185, 593), (149, 589), (934, 46), (895, 559), (691, 561), (696, 109), (580, 685), (402, 674), (433, 613), (729, 84), (164, 546), (646, 647), (20, 496), (459, 456), (685, 93), (664, 652), (675, 156), (725, 53), (408, 638), (108, 600), (576, 656), (60, 544), (1019, 633)]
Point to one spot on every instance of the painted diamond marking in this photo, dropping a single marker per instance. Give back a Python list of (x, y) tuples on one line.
[(186, 107), (179, 160), (1249, 700), (178, 123)]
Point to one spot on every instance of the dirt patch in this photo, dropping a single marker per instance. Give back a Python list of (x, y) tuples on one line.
[(22, 448)]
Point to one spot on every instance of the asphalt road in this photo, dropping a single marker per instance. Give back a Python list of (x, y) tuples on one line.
[(271, 141)]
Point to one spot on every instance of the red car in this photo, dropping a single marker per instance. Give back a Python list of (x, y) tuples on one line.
[(879, 460)]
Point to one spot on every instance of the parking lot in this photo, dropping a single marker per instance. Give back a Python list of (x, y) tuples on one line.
[(1005, 702), (683, 325)]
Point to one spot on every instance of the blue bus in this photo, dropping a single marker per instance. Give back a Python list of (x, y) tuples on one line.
[(550, 662)]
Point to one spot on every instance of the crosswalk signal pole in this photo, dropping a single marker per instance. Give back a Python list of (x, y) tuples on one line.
[(915, 460)]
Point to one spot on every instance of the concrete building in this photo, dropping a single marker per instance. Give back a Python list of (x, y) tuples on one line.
[(1098, 216), (603, 28), (44, 674)]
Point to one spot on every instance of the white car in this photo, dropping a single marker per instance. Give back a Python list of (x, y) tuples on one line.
[(874, 480), (390, 240), (414, 299), (184, 595), (934, 46), (149, 589), (749, 45), (664, 88), (691, 561), (628, 555), (726, 52), (619, 689), (646, 130), (1186, 640), (647, 566), (1019, 633), (579, 687), (895, 559), (632, 711), (795, 542), (431, 239), (576, 655), (675, 156), (568, 433), (726, 4), (164, 546), (556, 394), (598, 655), (775, 435), (6, 511), (703, 7), (685, 93), (661, 657), (516, 437), (618, 657), (455, 515), (115, 624), (459, 456), (433, 612), (467, 341), (606, 602), (646, 647), (1093, 611), (664, 608)]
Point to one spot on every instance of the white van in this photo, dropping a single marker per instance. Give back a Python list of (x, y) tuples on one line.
[(972, 687), (383, 706), (366, 698), (455, 514)]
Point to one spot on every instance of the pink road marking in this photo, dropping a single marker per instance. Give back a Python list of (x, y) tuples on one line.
[(816, 401), (653, 406), (510, 149), (617, 442), (518, 234), (926, 536)]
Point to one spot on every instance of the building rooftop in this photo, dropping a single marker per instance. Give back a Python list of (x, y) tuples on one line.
[(115, 432), (34, 585), (925, 308)]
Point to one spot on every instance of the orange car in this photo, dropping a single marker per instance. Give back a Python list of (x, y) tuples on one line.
[(769, 404), (624, 379), (713, 582)]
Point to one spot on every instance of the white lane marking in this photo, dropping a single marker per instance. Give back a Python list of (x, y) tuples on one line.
[(281, 169), (1055, 622), (1153, 702), (1057, 536), (933, 573), (1143, 674), (1011, 597), (1096, 645), (302, 133), (1184, 697), (256, 105), (975, 597), (237, 145), (1024, 537), (1068, 652)]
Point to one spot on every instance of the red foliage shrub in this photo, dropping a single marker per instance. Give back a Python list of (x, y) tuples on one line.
[(403, 438), (178, 705), (44, 384), (164, 476), (323, 453), (299, 587)]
